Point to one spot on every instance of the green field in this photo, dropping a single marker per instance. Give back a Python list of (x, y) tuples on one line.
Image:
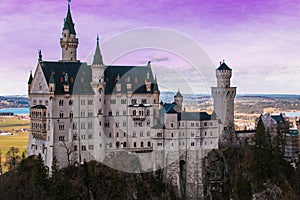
[(19, 138)]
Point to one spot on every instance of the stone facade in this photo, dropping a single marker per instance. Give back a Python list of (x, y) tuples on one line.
[(112, 114)]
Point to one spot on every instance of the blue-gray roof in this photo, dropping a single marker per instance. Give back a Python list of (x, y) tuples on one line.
[(193, 116), (223, 66), (79, 76)]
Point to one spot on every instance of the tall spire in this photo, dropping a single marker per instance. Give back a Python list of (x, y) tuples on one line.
[(97, 56), (69, 25), (69, 42)]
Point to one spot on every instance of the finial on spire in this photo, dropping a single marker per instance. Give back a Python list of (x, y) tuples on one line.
[(69, 1), (40, 55)]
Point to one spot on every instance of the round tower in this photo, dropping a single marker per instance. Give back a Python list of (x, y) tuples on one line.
[(223, 96), (69, 42)]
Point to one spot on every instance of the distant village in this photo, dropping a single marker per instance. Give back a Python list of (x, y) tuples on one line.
[(14, 102)]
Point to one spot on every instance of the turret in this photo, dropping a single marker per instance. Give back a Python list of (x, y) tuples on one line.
[(52, 85), (178, 99), (224, 96), (30, 81), (69, 42)]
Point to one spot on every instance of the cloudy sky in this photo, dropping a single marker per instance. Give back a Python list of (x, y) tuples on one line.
[(259, 40)]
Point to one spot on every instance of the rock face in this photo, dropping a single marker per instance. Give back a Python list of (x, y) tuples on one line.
[(214, 175)]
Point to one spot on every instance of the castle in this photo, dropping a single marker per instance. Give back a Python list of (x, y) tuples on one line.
[(113, 114)]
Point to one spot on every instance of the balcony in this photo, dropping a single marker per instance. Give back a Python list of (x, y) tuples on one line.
[(138, 118)]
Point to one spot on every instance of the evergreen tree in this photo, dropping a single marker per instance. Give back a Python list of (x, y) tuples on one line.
[(261, 156)]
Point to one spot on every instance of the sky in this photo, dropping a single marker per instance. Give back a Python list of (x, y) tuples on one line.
[(185, 40)]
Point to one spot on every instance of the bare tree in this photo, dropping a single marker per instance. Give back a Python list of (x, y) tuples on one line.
[(12, 158), (70, 148)]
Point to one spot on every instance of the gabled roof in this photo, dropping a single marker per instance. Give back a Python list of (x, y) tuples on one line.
[(136, 75), (168, 107), (79, 76), (223, 66), (193, 116)]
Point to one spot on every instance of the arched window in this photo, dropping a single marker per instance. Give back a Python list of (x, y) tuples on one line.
[(134, 112), (134, 144), (149, 144), (70, 102), (142, 144)]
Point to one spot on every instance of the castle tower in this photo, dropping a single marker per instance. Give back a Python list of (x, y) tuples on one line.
[(69, 42), (178, 99), (224, 96), (98, 86)]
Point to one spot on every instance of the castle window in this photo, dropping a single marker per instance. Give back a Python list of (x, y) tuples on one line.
[(123, 101), (149, 144), (124, 112), (34, 102), (124, 134), (172, 125), (83, 148), (110, 113), (61, 102), (159, 144), (205, 123), (133, 101), (110, 145), (100, 145), (211, 134), (134, 134), (61, 138), (172, 135), (148, 133), (124, 124), (192, 134), (75, 148), (134, 112), (90, 114), (40, 86), (83, 137), (142, 134), (117, 134), (82, 102), (117, 124), (192, 144), (117, 113), (82, 114), (82, 125), (113, 101), (142, 144), (197, 124), (91, 147), (192, 124), (71, 114), (211, 124), (106, 124), (75, 137), (144, 101), (134, 144), (205, 133), (90, 125), (148, 112), (46, 102), (124, 144), (70, 102), (110, 135)]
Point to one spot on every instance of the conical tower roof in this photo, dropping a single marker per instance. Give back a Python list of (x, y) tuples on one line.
[(30, 78), (69, 25), (97, 56)]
